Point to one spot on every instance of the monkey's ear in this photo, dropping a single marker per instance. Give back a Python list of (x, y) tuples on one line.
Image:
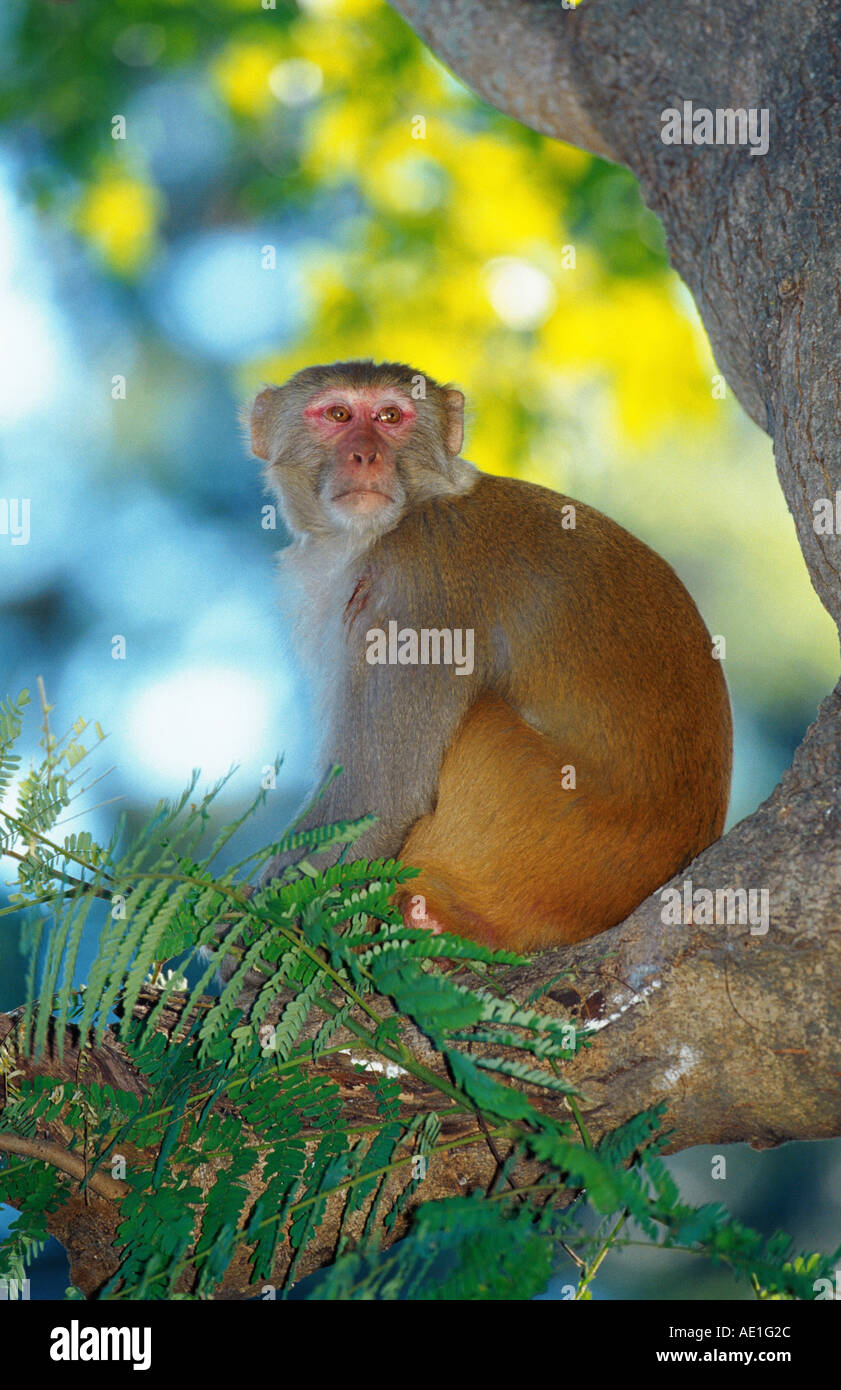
[(261, 421), (455, 420)]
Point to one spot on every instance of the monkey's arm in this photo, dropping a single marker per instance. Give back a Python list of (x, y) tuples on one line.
[(389, 734), (391, 729)]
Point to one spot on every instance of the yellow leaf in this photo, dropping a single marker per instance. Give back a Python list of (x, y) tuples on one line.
[(119, 216)]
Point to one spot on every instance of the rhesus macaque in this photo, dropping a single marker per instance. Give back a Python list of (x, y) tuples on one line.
[(579, 758)]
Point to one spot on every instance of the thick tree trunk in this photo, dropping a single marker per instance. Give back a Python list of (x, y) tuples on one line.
[(737, 1032)]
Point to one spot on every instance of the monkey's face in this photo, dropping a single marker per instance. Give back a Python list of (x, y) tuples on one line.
[(361, 435), (351, 448)]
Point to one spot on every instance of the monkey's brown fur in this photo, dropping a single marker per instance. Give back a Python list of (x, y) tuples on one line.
[(589, 654)]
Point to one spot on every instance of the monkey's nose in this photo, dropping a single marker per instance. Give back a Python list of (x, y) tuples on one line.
[(356, 457)]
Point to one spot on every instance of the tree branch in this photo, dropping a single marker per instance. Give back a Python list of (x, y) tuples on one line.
[(522, 58), (64, 1159)]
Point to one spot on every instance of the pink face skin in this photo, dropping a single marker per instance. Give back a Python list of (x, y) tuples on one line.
[(363, 430)]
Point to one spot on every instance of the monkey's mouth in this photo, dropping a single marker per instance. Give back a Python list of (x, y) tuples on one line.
[(362, 498)]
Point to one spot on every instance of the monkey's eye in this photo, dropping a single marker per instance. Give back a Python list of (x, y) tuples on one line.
[(390, 415), (338, 413)]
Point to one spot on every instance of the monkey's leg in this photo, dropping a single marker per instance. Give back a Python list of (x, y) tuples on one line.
[(511, 858)]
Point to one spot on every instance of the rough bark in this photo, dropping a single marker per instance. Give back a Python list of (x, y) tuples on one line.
[(737, 1032)]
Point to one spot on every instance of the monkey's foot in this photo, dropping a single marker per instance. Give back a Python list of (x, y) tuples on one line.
[(416, 914)]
